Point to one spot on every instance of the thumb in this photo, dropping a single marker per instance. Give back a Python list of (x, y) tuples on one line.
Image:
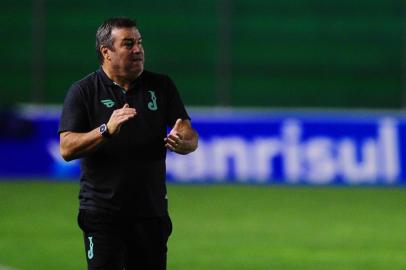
[(177, 124), (126, 106)]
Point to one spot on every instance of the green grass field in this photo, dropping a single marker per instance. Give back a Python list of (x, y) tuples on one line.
[(222, 227)]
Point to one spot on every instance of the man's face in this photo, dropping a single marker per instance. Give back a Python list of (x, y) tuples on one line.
[(127, 57)]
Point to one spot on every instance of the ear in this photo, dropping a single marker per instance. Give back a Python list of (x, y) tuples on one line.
[(105, 52)]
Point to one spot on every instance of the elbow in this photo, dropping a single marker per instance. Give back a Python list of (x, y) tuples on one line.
[(66, 149), (65, 153)]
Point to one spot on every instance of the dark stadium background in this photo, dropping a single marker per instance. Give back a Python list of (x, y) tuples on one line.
[(310, 53), (275, 54)]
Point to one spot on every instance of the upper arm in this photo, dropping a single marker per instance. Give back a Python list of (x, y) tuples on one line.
[(74, 116), (64, 143)]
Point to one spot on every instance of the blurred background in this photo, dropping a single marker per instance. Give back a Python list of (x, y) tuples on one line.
[(300, 110), (341, 54)]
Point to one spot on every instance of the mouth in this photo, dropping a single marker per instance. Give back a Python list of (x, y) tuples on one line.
[(138, 58)]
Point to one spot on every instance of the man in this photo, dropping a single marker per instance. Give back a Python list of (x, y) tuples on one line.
[(115, 121)]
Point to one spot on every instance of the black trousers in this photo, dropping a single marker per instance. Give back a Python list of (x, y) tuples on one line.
[(117, 242)]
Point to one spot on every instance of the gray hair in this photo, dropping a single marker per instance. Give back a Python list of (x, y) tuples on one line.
[(103, 34)]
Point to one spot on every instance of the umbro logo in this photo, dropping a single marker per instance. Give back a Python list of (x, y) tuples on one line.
[(107, 102)]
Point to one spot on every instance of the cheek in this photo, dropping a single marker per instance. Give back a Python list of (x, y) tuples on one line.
[(124, 58), (114, 57)]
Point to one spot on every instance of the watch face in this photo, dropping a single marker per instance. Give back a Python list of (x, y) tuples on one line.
[(103, 128), (104, 131)]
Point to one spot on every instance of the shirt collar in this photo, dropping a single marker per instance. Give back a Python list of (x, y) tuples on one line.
[(107, 81)]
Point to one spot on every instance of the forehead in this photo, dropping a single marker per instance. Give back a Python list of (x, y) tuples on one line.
[(125, 33)]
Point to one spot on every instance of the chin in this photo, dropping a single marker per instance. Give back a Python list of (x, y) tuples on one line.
[(138, 67), (133, 70), (138, 70)]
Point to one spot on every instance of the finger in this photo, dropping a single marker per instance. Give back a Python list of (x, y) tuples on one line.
[(127, 112), (128, 109), (126, 106), (170, 147), (132, 114), (129, 116), (171, 142), (170, 139), (174, 138), (179, 136), (123, 119)]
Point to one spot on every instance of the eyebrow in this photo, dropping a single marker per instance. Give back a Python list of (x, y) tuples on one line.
[(130, 39)]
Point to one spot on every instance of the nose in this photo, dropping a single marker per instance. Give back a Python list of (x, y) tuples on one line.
[(137, 48)]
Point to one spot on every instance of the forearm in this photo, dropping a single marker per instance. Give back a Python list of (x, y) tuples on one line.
[(76, 145)]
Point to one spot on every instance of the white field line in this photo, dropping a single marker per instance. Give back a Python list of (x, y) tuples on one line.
[(3, 267)]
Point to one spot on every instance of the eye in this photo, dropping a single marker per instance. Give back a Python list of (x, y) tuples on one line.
[(129, 44)]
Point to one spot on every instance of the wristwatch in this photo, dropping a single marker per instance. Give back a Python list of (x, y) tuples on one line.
[(104, 131)]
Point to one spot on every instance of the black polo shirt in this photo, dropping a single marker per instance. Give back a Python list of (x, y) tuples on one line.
[(127, 173)]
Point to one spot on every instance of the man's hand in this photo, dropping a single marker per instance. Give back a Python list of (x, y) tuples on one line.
[(182, 139), (76, 145), (119, 117)]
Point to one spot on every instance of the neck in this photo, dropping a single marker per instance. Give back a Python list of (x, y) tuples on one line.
[(122, 80)]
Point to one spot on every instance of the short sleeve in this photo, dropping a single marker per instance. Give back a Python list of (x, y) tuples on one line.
[(74, 116), (175, 109)]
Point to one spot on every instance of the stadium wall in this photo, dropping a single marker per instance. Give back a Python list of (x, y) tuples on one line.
[(241, 146)]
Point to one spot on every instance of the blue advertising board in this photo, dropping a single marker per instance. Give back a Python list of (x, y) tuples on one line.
[(247, 146)]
